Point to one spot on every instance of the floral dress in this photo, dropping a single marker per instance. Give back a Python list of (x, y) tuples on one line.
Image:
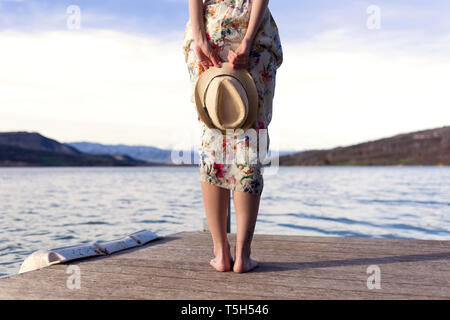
[(226, 23)]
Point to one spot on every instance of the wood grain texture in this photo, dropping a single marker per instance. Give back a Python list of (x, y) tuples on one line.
[(291, 267)]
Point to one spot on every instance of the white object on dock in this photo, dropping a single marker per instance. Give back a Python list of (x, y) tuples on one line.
[(77, 252), (45, 258), (144, 236), (39, 259), (117, 245)]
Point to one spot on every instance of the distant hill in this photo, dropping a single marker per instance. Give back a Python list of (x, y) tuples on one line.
[(35, 141), (428, 147), (146, 153), (33, 149)]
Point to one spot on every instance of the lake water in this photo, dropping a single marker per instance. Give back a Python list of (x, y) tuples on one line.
[(43, 208)]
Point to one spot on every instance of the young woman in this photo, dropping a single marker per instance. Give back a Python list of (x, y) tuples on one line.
[(243, 33)]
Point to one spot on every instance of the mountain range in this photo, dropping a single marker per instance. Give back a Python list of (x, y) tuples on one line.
[(427, 147), (33, 149), (146, 153)]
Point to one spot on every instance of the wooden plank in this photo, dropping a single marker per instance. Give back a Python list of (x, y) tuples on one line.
[(287, 260), (291, 267), (357, 273), (321, 249), (305, 242), (405, 273), (354, 282), (132, 290), (320, 239), (309, 255), (129, 286)]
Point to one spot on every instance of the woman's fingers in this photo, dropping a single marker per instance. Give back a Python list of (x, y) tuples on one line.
[(202, 59), (241, 57), (237, 60), (234, 59), (215, 60), (232, 53), (205, 64), (208, 57), (231, 57)]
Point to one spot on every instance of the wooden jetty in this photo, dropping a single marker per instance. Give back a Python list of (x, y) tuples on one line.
[(291, 267)]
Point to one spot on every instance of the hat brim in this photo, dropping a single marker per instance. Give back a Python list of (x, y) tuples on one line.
[(244, 78)]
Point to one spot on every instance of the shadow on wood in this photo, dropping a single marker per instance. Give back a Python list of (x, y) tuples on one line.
[(280, 266)]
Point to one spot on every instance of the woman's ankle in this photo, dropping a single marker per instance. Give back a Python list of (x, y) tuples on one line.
[(242, 252), (222, 250)]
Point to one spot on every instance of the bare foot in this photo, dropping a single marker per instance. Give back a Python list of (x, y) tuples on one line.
[(222, 261), (244, 265)]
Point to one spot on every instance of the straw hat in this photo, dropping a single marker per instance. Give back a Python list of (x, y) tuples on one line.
[(226, 98)]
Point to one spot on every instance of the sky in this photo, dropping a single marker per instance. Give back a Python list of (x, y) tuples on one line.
[(353, 71)]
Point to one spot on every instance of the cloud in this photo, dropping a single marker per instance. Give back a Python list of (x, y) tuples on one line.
[(335, 90), (139, 16), (115, 87), (68, 84)]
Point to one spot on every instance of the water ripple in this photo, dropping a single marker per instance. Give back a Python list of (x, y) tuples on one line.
[(404, 202), (45, 208), (342, 233)]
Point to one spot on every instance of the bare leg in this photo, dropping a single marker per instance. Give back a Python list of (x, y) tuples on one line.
[(247, 206), (215, 200)]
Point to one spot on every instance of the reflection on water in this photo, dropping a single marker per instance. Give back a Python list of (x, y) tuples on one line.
[(43, 208)]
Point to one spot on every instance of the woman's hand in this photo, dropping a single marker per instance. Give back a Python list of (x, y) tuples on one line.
[(239, 58), (206, 55)]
